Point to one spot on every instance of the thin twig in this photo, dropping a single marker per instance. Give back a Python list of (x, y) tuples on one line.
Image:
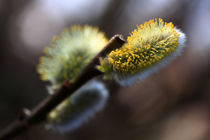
[(38, 114)]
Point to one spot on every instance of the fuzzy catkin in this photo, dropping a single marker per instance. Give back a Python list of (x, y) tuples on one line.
[(148, 48)]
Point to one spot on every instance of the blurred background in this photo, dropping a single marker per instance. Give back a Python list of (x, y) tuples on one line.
[(173, 104)]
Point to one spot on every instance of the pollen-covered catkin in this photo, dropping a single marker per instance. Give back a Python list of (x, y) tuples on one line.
[(148, 45)]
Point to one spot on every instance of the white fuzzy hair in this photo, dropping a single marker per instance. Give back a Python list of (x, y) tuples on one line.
[(92, 106)]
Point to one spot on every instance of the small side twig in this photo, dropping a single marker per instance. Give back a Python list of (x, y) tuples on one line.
[(38, 114)]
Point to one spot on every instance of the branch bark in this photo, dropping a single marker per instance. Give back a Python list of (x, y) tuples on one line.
[(38, 114)]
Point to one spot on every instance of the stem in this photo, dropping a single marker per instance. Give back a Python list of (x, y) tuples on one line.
[(38, 114)]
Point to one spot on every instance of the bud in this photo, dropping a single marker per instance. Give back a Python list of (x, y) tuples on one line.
[(79, 108)]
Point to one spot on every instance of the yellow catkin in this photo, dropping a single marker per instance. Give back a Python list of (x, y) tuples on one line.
[(147, 44), (69, 53)]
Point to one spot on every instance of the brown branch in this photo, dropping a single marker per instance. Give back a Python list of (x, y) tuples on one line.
[(38, 114)]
